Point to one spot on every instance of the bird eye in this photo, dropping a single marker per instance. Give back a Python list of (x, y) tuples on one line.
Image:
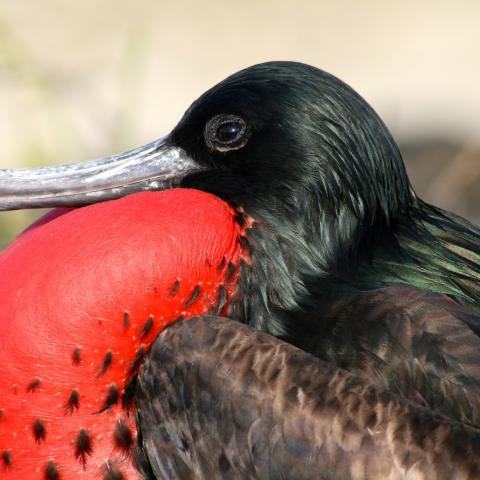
[(226, 132)]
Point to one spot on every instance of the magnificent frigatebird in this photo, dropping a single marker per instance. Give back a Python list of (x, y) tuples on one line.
[(291, 211)]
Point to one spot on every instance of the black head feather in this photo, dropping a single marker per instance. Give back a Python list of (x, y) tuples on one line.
[(315, 148)]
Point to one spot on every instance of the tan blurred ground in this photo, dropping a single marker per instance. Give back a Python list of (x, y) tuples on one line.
[(82, 79)]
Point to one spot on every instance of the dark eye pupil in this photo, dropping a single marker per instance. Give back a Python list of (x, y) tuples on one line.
[(229, 131), (225, 132)]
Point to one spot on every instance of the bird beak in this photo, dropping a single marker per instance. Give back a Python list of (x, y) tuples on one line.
[(155, 166)]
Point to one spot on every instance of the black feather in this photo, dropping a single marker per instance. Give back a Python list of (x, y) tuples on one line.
[(147, 327), (193, 296), (51, 471), (39, 430), (129, 393), (111, 398), (136, 362), (6, 458), (240, 218), (175, 287), (106, 362), (83, 446), (76, 355), (34, 385), (72, 403), (126, 320), (122, 436)]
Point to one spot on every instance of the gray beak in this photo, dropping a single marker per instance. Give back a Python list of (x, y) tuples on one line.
[(155, 166)]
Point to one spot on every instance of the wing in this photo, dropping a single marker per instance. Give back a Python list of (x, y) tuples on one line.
[(421, 345), (218, 400)]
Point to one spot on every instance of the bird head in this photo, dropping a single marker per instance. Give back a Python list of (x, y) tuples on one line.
[(292, 145), (275, 135), (301, 152)]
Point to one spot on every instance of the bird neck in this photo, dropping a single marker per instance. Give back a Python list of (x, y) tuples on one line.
[(428, 248), (292, 271)]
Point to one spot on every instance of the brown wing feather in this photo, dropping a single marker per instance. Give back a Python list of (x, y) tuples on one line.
[(216, 399), (423, 346)]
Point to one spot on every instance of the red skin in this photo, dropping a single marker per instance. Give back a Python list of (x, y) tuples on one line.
[(67, 282)]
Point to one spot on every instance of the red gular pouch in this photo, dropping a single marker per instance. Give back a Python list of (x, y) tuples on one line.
[(83, 293)]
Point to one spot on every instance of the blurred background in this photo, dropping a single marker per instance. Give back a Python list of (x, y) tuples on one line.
[(84, 79)]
